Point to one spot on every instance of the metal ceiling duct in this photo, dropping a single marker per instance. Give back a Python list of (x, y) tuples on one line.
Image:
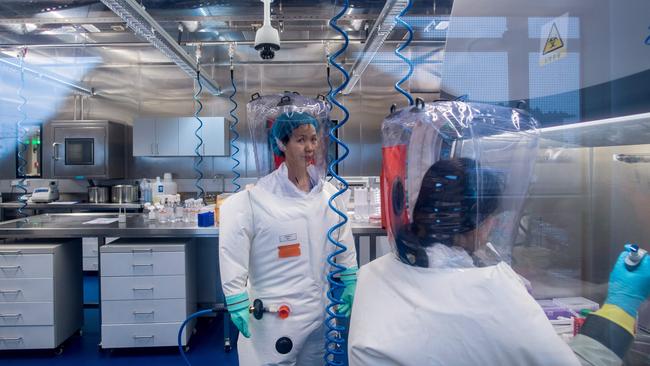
[(146, 27), (76, 88), (378, 35)]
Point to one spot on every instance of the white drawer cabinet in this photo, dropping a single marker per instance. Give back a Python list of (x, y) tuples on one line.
[(25, 265), (143, 264), (147, 291), (90, 250), (21, 337), (29, 313), (41, 301), (143, 335), (143, 311), (26, 289), (91, 264), (143, 287)]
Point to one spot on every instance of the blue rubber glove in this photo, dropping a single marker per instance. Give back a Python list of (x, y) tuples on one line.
[(238, 309), (629, 288), (349, 279)]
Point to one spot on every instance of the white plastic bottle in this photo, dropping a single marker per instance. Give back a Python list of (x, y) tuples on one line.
[(169, 186), (158, 189)]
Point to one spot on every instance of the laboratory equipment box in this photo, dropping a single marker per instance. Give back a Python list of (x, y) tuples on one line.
[(147, 291), (85, 149), (41, 294)]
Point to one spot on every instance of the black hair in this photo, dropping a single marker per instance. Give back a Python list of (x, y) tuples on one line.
[(452, 200)]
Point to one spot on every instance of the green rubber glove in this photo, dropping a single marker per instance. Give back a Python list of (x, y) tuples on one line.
[(349, 279), (238, 309), (629, 288)]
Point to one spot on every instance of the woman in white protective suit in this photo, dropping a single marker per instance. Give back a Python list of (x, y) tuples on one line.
[(446, 295), (273, 246)]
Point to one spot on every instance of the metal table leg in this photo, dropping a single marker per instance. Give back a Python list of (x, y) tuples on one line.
[(356, 247), (373, 247), (227, 345), (100, 242)]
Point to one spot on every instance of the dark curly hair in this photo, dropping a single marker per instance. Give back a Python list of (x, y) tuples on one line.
[(456, 195)]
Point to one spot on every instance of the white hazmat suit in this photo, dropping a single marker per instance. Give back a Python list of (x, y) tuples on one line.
[(260, 229), (406, 315)]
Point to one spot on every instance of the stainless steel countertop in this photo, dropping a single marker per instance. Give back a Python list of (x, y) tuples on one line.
[(72, 206), (367, 228), (71, 225)]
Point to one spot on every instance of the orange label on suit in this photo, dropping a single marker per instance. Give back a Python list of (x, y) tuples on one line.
[(290, 250)]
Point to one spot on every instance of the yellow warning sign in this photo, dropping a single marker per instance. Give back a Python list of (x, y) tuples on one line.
[(553, 41)]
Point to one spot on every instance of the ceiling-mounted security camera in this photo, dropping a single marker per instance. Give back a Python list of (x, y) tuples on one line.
[(267, 38)]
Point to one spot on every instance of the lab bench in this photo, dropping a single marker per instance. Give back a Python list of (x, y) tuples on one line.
[(75, 225), (65, 207)]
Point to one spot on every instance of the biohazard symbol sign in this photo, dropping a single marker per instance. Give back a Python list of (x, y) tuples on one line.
[(553, 37), (553, 41)]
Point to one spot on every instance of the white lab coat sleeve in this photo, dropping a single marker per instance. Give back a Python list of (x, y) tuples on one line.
[(235, 238)]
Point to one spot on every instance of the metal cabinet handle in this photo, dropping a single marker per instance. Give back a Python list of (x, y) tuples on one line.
[(10, 267), (55, 147), (157, 151), (143, 289), (11, 252), (151, 148), (10, 291), (11, 339), (143, 337), (11, 315), (147, 250), (142, 265), (143, 312)]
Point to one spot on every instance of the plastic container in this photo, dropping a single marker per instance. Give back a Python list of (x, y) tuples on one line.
[(206, 219), (158, 189), (554, 311), (145, 191), (576, 303), (220, 199), (169, 186), (361, 209)]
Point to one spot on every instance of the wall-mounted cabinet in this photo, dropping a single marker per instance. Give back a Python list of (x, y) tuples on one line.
[(173, 136)]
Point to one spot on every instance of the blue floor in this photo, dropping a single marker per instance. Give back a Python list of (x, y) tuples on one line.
[(206, 346)]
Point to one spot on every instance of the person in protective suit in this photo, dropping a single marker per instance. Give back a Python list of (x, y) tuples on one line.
[(430, 305), (273, 246)]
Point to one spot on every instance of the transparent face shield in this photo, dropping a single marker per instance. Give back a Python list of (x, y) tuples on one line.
[(455, 176), (280, 124)]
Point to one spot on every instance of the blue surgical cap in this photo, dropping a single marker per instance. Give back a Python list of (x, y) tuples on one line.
[(284, 126)]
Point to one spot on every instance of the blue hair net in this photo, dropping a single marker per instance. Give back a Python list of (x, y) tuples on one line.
[(284, 126)]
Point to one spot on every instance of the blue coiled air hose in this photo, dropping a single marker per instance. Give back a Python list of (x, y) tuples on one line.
[(197, 162), (398, 53), (335, 343), (234, 150), (200, 193), (217, 309), (20, 135)]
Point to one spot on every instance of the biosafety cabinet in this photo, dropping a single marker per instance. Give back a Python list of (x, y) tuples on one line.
[(85, 149)]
